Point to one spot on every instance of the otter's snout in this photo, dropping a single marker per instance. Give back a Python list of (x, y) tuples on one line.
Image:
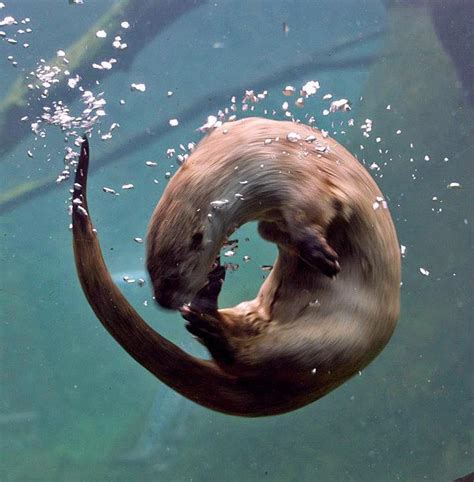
[(168, 293)]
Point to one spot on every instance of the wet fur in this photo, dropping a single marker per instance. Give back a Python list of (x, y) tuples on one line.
[(326, 310)]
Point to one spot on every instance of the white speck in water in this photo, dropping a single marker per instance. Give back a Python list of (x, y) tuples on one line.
[(101, 34), (138, 240), (9, 20), (125, 24), (151, 163), (109, 190), (424, 272), (211, 122), (310, 88), (138, 87), (299, 102), (73, 81), (403, 250), (127, 186), (106, 65), (288, 90), (174, 122), (454, 185), (340, 105)]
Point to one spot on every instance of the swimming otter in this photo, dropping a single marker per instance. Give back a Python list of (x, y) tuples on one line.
[(329, 305)]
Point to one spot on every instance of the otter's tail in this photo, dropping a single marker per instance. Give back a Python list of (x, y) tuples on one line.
[(199, 380)]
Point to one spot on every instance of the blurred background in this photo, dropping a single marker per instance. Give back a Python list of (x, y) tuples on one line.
[(73, 405)]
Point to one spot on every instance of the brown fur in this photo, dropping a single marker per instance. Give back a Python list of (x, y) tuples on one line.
[(326, 310)]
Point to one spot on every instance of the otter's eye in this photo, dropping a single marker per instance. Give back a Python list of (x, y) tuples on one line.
[(196, 240)]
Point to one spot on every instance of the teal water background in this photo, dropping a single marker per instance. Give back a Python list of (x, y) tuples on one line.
[(92, 413)]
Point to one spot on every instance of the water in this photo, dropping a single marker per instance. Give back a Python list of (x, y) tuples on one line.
[(75, 407)]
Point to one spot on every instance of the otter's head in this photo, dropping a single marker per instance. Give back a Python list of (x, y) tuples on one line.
[(182, 245)]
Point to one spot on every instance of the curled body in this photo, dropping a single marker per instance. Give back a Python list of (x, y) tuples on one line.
[(329, 305)]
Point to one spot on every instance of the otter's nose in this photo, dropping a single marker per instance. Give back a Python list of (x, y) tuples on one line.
[(166, 302), (167, 293)]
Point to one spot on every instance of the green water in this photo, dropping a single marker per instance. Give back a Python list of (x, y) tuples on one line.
[(75, 407)]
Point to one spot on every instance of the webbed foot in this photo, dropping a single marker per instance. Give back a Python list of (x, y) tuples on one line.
[(207, 328), (206, 298), (204, 320)]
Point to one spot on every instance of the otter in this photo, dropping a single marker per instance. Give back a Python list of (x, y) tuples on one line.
[(325, 311)]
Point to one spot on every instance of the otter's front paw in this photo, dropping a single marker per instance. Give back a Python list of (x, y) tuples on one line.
[(315, 251), (206, 298)]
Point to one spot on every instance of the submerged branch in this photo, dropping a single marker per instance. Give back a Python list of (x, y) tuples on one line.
[(146, 18)]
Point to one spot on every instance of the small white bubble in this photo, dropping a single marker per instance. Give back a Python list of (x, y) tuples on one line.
[(138, 87), (288, 90)]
